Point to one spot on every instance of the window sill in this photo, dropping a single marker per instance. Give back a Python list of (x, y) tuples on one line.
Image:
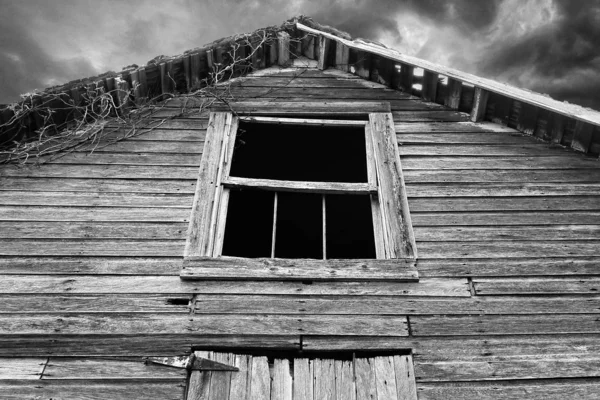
[(236, 268)]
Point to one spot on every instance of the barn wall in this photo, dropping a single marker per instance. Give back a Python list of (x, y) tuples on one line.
[(507, 230)]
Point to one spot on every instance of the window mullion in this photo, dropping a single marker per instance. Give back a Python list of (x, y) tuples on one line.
[(274, 234), (324, 207)]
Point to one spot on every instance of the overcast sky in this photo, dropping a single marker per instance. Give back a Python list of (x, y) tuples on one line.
[(550, 46)]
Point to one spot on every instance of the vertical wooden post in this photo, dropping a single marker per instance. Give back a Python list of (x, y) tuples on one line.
[(528, 116), (187, 71), (363, 64), (582, 136), (76, 96), (480, 99), (429, 90), (406, 77), (342, 56), (558, 128), (122, 94), (308, 46), (166, 77), (283, 48), (453, 93), (210, 60), (272, 52), (323, 52), (258, 53), (195, 70)]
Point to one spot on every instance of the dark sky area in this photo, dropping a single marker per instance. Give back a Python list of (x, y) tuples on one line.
[(550, 46)]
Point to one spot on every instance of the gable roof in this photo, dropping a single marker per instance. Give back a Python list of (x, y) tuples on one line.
[(533, 113)]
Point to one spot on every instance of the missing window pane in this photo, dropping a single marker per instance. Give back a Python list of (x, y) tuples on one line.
[(299, 226), (349, 232), (249, 224), (300, 153)]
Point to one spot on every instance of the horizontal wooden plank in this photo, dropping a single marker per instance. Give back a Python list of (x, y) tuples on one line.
[(74, 284), (298, 269), (501, 189), (99, 185), (108, 368), (22, 368), (259, 304), (430, 129), (509, 267), (95, 303), (95, 199), (241, 93), (471, 137), (512, 286), (77, 213), (100, 171), (307, 187), (149, 146), (512, 233), (429, 116), (508, 249), (122, 323), (503, 324), (537, 203), (192, 134), (290, 108), (455, 348), (531, 390), (90, 265), (89, 389), (304, 121), (492, 370), (544, 162), (483, 150), (133, 345), (302, 81), (127, 158), (507, 218), (92, 247), (502, 176), (92, 230)]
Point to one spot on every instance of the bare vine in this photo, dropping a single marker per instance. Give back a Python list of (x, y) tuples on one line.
[(103, 117)]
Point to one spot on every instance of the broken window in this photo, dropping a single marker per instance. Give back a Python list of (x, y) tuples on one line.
[(283, 188)]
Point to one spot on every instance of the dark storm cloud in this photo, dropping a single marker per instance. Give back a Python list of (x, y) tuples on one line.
[(561, 59), (25, 65)]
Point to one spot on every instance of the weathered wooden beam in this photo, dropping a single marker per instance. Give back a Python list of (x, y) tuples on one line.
[(122, 94), (406, 77), (195, 70), (258, 57), (342, 57), (305, 121), (211, 61), (308, 46), (363, 64), (167, 82), (324, 44), (227, 268), (297, 186), (453, 93), (558, 128), (187, 71), (273, 47), (392, 191), (283, 48), (429, 86), (480, 100), (582, 137)]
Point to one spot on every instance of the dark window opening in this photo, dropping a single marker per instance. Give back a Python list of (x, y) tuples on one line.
[(349, 230), (249, 224), (299, 226), (300, 153)]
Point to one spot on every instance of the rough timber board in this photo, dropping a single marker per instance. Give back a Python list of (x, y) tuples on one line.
[(281, 269)]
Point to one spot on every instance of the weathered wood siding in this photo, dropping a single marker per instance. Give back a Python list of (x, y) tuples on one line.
[(507, 231)]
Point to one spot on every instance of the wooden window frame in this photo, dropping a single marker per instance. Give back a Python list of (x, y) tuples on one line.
[(393, 234)]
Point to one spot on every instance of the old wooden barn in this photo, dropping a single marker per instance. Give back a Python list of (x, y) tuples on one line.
[(329, 217)]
